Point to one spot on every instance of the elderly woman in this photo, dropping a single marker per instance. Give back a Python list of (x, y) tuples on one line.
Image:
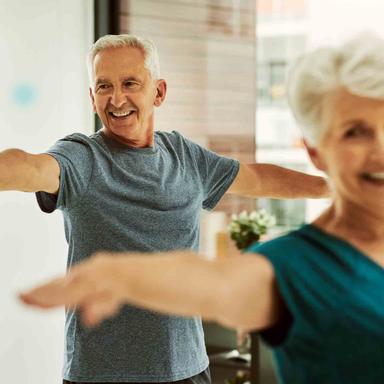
[(316, 294)]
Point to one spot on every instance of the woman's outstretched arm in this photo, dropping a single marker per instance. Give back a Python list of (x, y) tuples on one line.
[(236, 291)]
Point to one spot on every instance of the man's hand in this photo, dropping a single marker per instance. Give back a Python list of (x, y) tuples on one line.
[(95, 286), (267, 180)]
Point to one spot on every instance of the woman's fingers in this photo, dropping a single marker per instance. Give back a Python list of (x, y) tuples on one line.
[(70, 291), (90, 292), (98, 308)]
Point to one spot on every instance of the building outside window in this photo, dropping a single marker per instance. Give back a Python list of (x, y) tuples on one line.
[(286, 29)]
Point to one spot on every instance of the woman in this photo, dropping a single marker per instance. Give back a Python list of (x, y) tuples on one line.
[(317, 293)]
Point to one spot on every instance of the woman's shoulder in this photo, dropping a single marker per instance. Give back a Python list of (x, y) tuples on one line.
[(304, 245), (284, 240)]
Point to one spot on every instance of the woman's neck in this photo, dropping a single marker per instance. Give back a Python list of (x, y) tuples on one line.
[(356, 224)]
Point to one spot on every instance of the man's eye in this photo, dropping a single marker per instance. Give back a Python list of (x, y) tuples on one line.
[(103, 86), (130, 84)]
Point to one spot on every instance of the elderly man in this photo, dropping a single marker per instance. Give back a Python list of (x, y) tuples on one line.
[(316, 294), (129, 188)]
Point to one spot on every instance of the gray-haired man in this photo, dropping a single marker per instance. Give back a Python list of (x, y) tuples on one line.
[(129, 188)]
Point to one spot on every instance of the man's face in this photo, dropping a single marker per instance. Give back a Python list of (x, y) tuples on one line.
[(124, 95)]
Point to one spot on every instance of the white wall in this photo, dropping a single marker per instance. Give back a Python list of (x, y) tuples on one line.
[(332, 22), (43, 97)]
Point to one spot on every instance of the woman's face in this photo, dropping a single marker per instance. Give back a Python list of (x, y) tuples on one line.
[(351, 151)]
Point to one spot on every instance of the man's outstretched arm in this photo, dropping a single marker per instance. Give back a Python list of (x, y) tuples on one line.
[(268, 180), (22, 171)]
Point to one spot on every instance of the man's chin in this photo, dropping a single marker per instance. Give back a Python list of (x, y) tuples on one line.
[(121, 131)]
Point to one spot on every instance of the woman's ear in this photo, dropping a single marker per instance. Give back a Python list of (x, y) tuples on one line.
[(315, 156)]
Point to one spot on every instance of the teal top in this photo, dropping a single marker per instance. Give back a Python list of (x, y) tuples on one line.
[(333, 331)]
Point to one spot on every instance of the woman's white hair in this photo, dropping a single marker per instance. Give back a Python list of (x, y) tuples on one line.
[(151, 57), (357, 66)]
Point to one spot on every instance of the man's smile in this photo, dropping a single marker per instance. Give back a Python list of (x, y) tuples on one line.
[(121, 114)]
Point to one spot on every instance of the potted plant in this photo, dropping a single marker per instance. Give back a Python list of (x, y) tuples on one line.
[(247, 228)]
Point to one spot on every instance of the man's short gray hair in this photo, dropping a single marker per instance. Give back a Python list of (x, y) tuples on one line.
[(357, 66), (151, 57)]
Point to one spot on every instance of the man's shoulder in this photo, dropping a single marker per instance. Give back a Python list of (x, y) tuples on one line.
[(80, 138), (173, 139), (72, 138), (178, 140), (169, 135), (75, 145)]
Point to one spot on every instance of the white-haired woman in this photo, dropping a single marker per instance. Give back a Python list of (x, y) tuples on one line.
[(317, 293)]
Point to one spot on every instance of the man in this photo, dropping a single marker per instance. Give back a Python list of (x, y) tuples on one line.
[(128, 188)]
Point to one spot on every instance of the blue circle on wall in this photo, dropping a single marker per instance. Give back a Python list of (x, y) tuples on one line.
[(23, 94)]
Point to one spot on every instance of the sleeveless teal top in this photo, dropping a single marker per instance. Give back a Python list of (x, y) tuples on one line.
[(333, 331)]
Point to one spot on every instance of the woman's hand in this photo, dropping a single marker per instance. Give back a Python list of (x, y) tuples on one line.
[(235, 291), (95, 286)]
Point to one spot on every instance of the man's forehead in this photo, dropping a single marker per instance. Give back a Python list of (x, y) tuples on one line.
[(121, 62), (131, 55)]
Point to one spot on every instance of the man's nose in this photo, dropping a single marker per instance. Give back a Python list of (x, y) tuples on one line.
[(118, 99)]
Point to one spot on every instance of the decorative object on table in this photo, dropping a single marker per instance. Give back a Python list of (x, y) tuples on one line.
[(247, 228)]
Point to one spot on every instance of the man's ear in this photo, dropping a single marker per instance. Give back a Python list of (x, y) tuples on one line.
[(315, 157), (92, 99), (161, 90)]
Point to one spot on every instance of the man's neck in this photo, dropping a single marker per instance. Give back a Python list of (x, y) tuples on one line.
[(146, 141)]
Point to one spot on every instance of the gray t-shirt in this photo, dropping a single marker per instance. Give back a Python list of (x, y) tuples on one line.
[(119, 198)]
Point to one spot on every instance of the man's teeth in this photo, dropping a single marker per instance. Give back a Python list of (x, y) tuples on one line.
[(374, 176), (121, 114)]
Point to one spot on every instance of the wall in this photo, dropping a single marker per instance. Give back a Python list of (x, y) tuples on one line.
[(43, 96), (356, 15)]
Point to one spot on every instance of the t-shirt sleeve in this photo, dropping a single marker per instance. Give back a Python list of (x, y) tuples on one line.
[(74, 156), (216, 173)]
